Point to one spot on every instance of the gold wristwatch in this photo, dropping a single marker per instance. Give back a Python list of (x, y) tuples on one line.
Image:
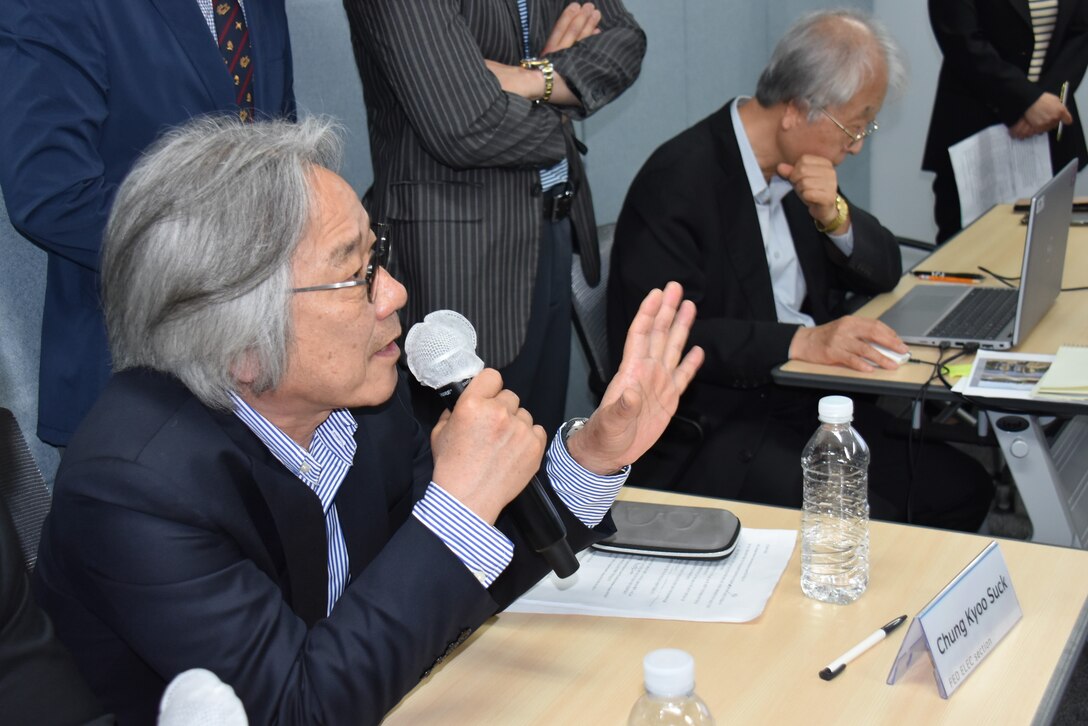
[(842, 211), (544, 66)]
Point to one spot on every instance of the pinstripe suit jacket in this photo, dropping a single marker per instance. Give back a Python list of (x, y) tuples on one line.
[(456, 159)]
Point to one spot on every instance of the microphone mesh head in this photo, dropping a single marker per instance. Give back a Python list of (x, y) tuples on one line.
[(442, 349), (197, 696)]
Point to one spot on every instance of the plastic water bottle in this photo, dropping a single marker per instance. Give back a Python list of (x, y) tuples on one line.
[(669, 700), (835, 518)]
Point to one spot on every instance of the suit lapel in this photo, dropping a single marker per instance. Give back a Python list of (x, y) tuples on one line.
[(1057, 38), (187, 24), (808, 244), (1021, 7), (377, 495), (538, 26), (361, 501), (515, 18), (745, 251), (291, 521)]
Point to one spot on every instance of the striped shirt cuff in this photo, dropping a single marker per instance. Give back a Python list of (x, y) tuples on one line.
[(587, 495), (483, 549)]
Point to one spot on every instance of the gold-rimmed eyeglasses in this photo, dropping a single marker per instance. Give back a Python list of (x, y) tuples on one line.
[(855, 136), (379, 257)]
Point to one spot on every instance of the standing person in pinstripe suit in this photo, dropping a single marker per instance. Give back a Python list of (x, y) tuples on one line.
[(476, 164)]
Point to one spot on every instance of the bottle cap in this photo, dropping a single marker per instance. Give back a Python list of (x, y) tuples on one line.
[(669, 672), (836, 409)]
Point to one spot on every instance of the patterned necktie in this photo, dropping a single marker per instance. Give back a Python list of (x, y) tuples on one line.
[(237, 50)]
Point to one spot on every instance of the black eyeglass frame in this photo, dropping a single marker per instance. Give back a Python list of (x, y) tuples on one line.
[(379, 258)]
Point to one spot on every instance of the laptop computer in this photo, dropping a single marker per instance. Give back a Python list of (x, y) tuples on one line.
[(992, 317)]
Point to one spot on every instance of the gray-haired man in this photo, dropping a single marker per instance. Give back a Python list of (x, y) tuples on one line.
[(221, 507), (745, 211)]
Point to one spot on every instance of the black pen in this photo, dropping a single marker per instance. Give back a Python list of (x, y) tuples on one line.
[(948, 276), (838, 665)]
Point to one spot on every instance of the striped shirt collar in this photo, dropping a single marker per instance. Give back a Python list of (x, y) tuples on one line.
[(331, 450)]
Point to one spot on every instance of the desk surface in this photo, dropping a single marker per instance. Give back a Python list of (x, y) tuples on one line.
[(995, 241), (552, 669)]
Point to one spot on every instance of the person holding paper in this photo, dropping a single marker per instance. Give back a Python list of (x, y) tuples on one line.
[(1005, 62)]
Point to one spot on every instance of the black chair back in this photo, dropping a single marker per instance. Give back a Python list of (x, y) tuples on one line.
[(22, 488)]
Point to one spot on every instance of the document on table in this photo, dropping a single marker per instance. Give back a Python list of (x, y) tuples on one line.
[(992, 167), (1004, 374), (732, 590)]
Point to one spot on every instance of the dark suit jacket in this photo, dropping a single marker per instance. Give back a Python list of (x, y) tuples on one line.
[(176, 541), (987, 46), (87, 85), (689, 216), (456, 159)]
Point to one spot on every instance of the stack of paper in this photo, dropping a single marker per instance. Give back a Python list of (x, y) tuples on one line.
[(1067, 376), (733, 590)]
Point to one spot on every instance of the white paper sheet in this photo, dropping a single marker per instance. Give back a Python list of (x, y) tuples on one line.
[(733, 590), (992, 167)]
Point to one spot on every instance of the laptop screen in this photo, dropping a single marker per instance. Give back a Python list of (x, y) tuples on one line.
[(1044, 249)]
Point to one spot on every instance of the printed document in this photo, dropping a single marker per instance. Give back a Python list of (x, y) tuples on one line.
[(731, 590), (1003, 374), (992, 167)]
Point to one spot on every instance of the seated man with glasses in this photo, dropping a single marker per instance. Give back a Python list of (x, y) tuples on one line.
[(251, 494), (744, 210)]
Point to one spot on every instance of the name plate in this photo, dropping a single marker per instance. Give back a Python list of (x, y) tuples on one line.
[(963, 623)]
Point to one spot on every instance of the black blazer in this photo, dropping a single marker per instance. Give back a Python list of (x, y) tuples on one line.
[(177, 541), (987, 46), (689, 216), (457, 160)]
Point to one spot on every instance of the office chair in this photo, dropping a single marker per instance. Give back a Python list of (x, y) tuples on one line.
[(22, 488), (591, 325), (590, 319)]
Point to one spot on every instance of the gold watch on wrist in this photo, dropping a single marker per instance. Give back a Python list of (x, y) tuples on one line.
[(544, 66), (842, 211)]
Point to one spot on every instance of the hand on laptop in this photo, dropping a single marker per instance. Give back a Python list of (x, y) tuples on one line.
[(847, 342)]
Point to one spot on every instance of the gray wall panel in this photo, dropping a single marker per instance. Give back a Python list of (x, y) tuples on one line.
[(326, 81)]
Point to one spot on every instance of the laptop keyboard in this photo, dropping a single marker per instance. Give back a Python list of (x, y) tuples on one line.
[(980, 315)]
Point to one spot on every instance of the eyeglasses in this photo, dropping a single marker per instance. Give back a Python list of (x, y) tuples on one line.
[(871, 128), (379, 257)]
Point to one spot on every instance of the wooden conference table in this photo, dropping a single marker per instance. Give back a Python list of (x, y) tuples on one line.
[(1052, 477), (566, 669)]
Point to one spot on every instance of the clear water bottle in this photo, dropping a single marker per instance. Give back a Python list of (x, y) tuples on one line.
[(835, 516), (669, 700)]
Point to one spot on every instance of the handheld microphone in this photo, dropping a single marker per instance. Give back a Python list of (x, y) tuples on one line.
[(441, 353), (198, 696)]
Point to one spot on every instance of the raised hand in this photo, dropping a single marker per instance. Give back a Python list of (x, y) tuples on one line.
[(643, 395)]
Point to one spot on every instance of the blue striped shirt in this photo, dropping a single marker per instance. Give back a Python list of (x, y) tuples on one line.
[(557, 174), (322, 468), (485, 550), (482, 548)]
